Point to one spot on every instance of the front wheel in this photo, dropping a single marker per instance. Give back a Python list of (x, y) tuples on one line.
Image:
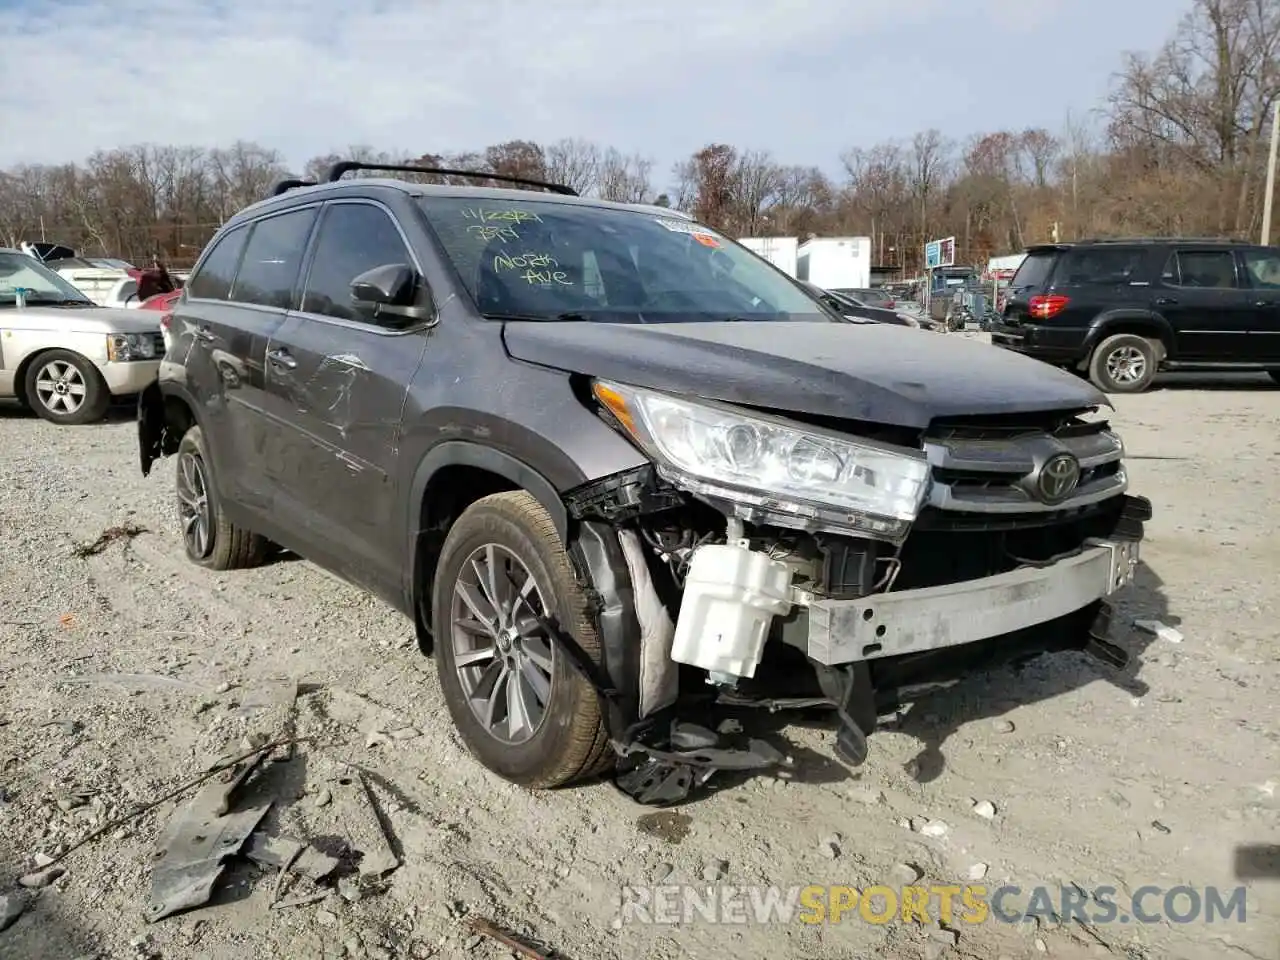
[(210, 539), (521, 706), (1124, 363), (66, 388)]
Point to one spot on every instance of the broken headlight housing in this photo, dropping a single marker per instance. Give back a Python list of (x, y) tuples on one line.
[(815, 479), (124, 347)]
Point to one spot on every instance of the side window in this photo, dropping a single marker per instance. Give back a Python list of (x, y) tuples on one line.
[(1206, 268), (354, 237), (213, 280), (269, 271), (1101, 265), (1263, 269)]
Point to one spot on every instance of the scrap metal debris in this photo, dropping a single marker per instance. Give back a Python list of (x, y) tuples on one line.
[(289, 855), (198, 839), (124, 531), (220, 767)]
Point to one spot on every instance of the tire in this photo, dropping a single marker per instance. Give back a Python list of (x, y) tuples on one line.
[(566, 741), (66, 388), (210, 541), (1124, 363)]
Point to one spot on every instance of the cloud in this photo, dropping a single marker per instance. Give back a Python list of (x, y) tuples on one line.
[(305, 76), (804, 78)]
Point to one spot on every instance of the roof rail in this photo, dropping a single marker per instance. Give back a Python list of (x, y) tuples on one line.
[(337, 171), (1230, 240), (286, 185)]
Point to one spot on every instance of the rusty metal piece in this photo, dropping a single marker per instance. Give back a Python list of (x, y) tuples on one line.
[(487, 928)]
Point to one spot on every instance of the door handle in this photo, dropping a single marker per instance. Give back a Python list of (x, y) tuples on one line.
[(1265, 303), (1165, 301), (281, 358), (204, 334)]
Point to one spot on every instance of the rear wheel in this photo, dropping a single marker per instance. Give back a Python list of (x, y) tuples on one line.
[(1124, 363), (66, 388), (210, 539), (521, 707)]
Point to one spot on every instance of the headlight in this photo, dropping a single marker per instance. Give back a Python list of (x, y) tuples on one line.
[(124, 347), (826, 478)]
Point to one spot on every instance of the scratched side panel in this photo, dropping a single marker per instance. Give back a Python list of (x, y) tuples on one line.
[(336, 417)]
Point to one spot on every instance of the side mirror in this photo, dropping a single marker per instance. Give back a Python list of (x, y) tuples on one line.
[(390, 290)]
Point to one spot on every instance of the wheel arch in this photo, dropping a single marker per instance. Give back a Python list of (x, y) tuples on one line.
[(452, 476), (1138, 323)]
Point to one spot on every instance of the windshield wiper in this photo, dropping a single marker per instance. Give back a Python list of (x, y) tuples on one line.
[(560, 317), (58, 302)]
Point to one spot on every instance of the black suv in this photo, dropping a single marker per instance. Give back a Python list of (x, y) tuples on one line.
[(1122, 310), (621, 472)]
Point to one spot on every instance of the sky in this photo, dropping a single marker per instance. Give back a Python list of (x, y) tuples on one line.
[(803, 79)]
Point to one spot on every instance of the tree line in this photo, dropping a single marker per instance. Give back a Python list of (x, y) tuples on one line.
[(1178, 148)]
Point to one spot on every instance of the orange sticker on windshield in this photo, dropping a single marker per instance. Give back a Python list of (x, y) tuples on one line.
[(706, 239)]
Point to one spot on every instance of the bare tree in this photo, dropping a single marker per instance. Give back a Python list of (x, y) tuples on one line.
[(624, 178), (575, 163)]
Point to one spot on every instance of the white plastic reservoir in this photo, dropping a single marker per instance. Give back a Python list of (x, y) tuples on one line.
[(731, 595)]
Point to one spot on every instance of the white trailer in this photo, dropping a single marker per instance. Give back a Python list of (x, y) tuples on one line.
[(835, 262), (780, 251)]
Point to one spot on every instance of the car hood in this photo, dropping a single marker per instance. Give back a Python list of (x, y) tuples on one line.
[(897, 376), (80, 319)]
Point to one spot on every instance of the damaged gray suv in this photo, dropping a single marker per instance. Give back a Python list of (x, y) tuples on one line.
[(625, 475)]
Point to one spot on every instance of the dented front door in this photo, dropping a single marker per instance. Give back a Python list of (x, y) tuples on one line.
[(338, 383), (339, 393)]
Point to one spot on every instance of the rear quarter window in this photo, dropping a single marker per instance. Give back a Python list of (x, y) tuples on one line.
[(1034, 270), (212, 279)]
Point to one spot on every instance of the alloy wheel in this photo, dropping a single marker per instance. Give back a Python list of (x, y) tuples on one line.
[(60, 387), (193, 505), (503, 656), (1126, 365)]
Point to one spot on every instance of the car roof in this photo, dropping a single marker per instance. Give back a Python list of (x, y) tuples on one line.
[(1140, 242), (355, 186)]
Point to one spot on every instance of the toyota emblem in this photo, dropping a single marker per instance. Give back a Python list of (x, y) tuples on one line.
[(1058, 478)]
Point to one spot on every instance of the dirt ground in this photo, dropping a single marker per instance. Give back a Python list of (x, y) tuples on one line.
[(124, 670)]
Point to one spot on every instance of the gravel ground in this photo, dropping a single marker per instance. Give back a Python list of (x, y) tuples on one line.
[(123, 671)]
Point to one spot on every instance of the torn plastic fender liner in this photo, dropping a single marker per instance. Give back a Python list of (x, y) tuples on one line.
[(598, 557), (151, 427)]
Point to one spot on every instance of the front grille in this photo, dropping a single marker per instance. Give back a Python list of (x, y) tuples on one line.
[(994, 467)]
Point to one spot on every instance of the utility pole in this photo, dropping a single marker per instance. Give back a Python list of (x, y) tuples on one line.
[(1271, 175)]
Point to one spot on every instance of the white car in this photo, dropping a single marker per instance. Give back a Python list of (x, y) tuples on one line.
[(61, 354), (122, 296)]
